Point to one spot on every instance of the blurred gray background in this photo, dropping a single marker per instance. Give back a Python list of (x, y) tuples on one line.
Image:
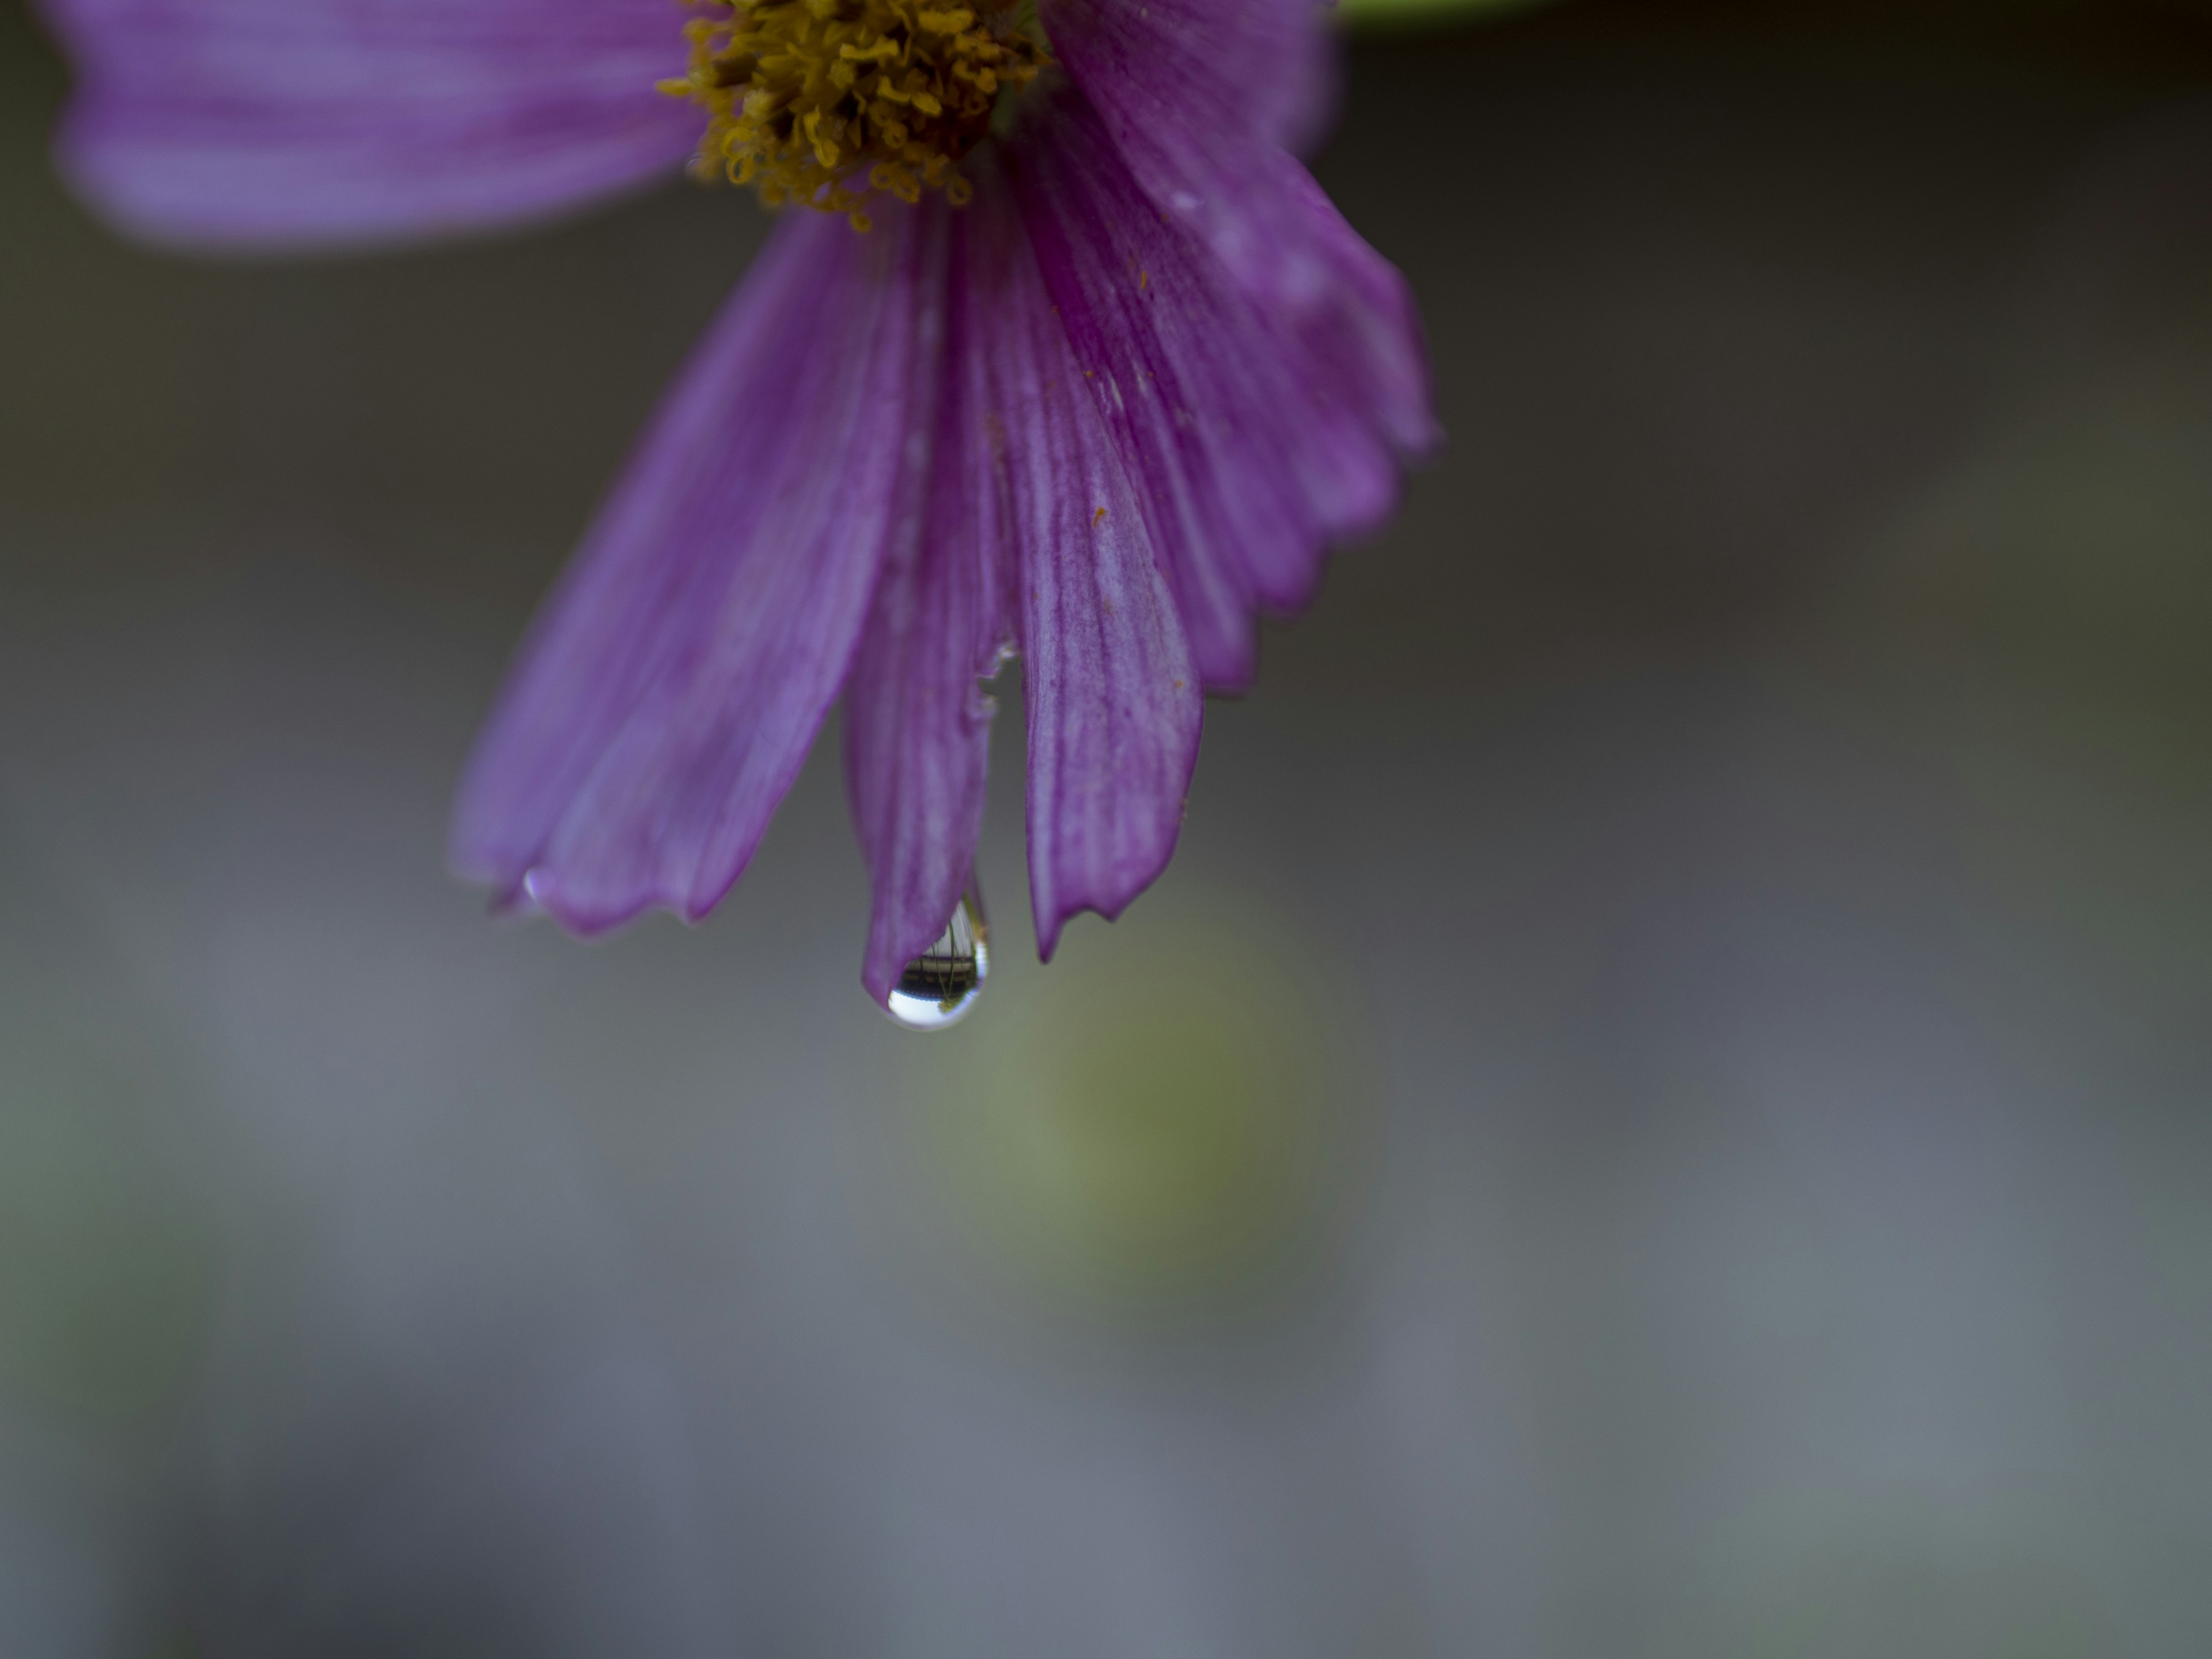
[(1660, 1109)]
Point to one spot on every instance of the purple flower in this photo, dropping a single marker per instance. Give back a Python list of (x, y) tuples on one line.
[(1106, 377)]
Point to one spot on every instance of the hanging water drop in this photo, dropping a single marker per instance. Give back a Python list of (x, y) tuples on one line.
[(942, 984)]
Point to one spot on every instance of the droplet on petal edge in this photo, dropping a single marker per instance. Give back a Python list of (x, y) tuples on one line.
[(939, 986)]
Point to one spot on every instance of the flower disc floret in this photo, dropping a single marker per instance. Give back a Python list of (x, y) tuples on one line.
[(807, 98)]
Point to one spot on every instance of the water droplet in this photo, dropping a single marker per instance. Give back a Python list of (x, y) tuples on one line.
[(942, 984)]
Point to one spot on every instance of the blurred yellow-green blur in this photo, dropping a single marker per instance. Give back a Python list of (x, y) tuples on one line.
[(1159, 1119)]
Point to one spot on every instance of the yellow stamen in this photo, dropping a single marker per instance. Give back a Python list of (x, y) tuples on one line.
[(805, 97)]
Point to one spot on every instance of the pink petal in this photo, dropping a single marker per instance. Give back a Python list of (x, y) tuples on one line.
[(1112, 693), (673, 683), (1248, 454), (917, 722), (295, 123), (1205, 164), (1266, 67)]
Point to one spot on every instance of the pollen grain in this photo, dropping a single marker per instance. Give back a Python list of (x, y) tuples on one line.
[(817, 101)]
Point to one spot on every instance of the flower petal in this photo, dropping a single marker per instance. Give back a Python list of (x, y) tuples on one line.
[(292, 122), (917, 721), (675, 681), (1245, 449), (1265, 67), (1112, 694), (1204, 164)]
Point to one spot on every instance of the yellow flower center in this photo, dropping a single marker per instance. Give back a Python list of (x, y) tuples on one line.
[(803, 96)]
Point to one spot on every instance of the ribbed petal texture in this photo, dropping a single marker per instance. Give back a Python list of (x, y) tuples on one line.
[(1250, 456), (1262, 67), (1112, 692), (1208, 156), (284, 124), (917, 721), (673, 685)]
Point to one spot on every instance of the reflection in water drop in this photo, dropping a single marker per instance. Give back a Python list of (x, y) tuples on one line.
[(942, 984)]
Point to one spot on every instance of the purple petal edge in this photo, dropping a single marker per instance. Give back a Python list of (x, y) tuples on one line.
[(268, 124), (917, 721), (1251, 457), (1161, 97), (1112, 693), (673, 683)]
